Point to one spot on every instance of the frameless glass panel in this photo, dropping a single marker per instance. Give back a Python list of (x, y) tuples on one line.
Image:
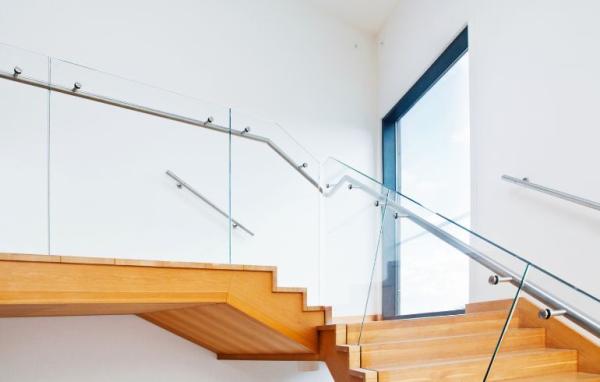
[(351, 231), (110, 192), (275, 196), (434, 168), (23, 153)]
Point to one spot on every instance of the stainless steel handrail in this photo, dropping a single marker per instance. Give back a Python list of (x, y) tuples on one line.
[(536, 292), (533, 290), (77, 92), (181, 183), (549, 191)]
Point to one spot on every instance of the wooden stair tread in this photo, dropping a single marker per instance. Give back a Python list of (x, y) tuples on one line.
[(562, 377)]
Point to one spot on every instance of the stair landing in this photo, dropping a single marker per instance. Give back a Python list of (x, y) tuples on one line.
[(236, 311)]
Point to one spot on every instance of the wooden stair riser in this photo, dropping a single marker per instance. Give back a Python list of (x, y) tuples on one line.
[(374, 334), (506, 366), (410, 351), (489, 306)]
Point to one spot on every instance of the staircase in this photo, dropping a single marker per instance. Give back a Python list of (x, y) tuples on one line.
[(459, 348), (240, 313)]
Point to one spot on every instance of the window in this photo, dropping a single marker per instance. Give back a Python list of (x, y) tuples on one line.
[(433, 164), (427, 157)]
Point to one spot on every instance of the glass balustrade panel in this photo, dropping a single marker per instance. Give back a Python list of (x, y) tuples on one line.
[(275, 201), (23, 152), (418, 249), (136, 175)]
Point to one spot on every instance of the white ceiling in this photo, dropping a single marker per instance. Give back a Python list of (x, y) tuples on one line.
[(367, 15)]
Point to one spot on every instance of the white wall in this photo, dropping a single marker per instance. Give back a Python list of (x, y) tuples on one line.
[(534, 91), (280, 60), (121, 348)]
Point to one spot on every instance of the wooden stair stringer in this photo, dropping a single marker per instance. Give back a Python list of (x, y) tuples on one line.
[(343, 360), (560, 335), (305, 307), (283, 303)]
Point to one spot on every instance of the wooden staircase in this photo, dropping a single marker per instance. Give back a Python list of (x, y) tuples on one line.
[(459, 348), (239, 312)]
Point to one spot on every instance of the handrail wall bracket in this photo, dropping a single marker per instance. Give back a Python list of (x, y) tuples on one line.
[(181, 184), (525, 182)]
